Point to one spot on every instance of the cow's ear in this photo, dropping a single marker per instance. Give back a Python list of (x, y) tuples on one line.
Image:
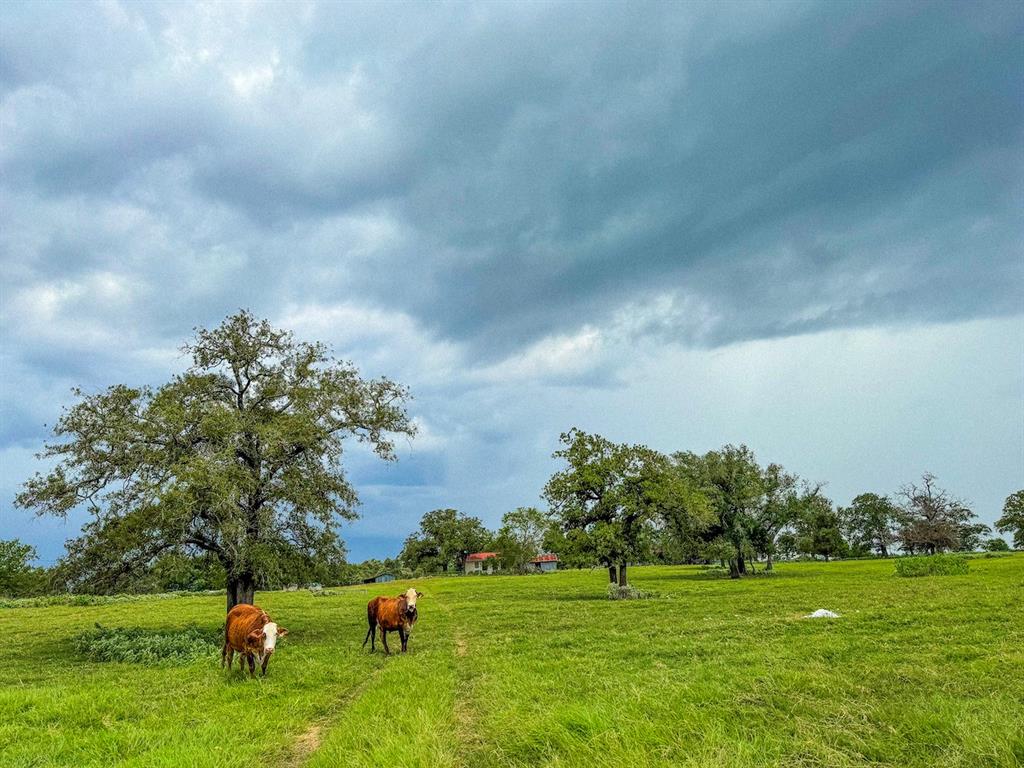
[(254, 637), (419, 594), (281, 631)]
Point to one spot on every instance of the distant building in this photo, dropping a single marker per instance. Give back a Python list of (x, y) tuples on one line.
[(481, 562), (380, 578), (547, 561)]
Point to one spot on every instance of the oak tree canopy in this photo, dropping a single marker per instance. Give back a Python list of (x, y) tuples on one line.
[(239, 456)]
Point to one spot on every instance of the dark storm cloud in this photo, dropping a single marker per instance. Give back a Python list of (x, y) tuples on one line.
[(549, 164), (459, 195)]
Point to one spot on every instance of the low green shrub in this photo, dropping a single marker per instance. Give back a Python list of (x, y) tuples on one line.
[(628, 592), (147, 646), (932, 565)]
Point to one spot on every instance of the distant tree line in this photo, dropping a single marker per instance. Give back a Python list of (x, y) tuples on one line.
[(231, 475), (616, 504), (749, 514)]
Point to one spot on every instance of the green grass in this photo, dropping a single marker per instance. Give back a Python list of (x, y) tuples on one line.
[(545, 670)]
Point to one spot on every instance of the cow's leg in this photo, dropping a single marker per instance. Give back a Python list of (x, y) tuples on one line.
[(229, 652), (263, 667), (223, 655), (252, 665), (384, 639), (404, 637), (371, 634)]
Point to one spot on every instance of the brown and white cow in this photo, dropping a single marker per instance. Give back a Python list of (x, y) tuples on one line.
[(391, 614), (251, 633)]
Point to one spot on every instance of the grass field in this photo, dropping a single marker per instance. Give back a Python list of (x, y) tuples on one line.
[(544, 670)]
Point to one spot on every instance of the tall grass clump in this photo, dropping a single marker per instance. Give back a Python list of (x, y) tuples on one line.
[(628, 592), (146, 646), (932, 565)]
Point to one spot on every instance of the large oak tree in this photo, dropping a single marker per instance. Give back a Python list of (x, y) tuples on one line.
[(733, 482), (239, 456), (610, 498)]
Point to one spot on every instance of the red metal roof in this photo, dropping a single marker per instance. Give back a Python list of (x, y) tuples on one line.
[(545, 558), (481, 556)]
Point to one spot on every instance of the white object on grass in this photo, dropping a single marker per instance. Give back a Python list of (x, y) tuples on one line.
[(821, 613)]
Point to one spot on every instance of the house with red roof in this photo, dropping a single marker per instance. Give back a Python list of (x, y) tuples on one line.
[(488, 562), (481, 562)]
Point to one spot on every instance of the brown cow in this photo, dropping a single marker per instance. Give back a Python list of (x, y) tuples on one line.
[(250, 631), (391, 614)]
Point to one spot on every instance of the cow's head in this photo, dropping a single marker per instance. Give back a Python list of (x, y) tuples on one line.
[(410, 600), (266, 638)]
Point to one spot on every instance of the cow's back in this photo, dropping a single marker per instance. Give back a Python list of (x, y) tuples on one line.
[(388, 612), (242, 619)]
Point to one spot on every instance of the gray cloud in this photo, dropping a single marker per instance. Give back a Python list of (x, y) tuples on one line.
[(482, 199)]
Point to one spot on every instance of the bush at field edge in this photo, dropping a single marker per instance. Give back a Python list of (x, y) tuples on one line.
[(932, 565)]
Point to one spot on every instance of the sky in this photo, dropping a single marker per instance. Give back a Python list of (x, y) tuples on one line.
[(793, 225)]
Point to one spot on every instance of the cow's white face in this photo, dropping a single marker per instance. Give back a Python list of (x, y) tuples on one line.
[(410, 598), (269, 637)]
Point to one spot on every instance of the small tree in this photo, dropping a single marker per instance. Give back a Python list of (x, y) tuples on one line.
[(818, 530), (445, 538), (1012, 520), (996, 544), (787, 545), (521, 537), (778, 507), (17, 576), (972, 536), (935, 520), (871, 522), (240, 456), (719, 550)]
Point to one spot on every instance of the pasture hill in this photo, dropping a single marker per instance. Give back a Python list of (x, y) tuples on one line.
[(542, 670)]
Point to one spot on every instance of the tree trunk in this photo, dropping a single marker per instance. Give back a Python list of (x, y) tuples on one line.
[(241, 590), (622, 575), (741, 564), (612, 577), (734, 569), (768, 565)]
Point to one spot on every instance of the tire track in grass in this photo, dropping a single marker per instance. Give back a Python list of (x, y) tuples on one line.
[(406, 715), (464, 714), (310, 739)]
